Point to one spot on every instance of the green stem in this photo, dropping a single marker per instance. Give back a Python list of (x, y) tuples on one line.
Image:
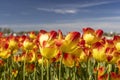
[(96, 75), (87, 74), (48, 70), (109, 76), (7, 69), (24, 69), (60, 68), (10, 71), (42, 69), (109, 70), (74, 75), (10, 67), (35, 72)]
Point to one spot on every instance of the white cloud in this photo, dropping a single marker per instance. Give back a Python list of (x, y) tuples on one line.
[(60, 11)]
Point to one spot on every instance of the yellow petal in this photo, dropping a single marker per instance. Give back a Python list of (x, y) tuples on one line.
[(68, 60), (117, 45), (49, 52), (89, 38)]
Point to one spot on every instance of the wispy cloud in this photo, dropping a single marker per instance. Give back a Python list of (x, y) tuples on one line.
[(86, 5), (60, 11), (95, 4), (74, 8)]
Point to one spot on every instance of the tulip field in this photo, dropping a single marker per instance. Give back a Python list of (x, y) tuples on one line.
[(51, 55)]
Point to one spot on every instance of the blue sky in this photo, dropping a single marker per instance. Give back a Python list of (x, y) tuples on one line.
[(67, 15)]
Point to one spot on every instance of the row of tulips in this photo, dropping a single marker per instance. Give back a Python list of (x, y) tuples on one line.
[(54, 56)]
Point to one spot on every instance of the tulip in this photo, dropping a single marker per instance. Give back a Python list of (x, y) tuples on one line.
[(48, 48), (32, 35), (14, 73), (31, 57), (98, 52), (17, 58), (13, 46), (91, 36), (68, 60), (47, 39), (60, 39), (85, 55), (49, 52), (28, 45), (5, 54), (29, 68), (112, 55), (70, 44), (116, 41)]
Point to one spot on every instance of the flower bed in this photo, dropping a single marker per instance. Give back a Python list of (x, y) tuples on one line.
[(52, 56)]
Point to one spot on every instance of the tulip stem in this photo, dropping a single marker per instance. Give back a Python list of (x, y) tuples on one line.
[(24, 70), (60, 68), (74, 72), (24, 64), (42, 69), (7, 69), (96, 75), (35, 72), (109, 70), (48, 70), (11, 67)]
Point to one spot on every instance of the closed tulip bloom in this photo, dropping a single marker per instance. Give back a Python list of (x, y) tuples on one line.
[(70, 44), (49, 52), (28, 45), (32, 35), (13, 44)]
